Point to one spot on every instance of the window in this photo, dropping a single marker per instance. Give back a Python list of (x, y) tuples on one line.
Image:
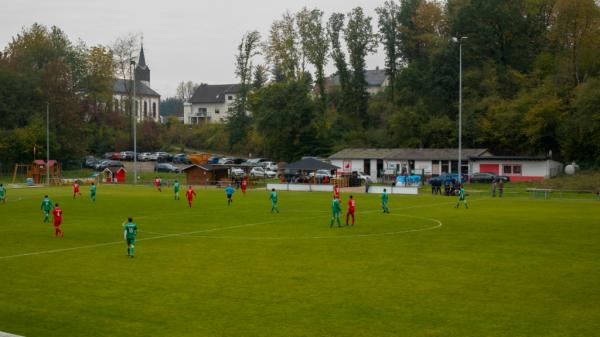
[(217, 111), (116, 105), (512, 169), (230, 98), (154, 109), (145, 108), (201, 109)]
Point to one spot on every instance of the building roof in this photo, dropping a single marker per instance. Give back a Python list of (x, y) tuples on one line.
[(122, 86), (310, 164), (362, 154), (213, 93), (408, 154), (374, 78), (115, 169), (142, 59), (205, 167), (522, 158)]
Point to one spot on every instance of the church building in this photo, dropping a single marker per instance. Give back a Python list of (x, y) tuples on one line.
[(147, 100)]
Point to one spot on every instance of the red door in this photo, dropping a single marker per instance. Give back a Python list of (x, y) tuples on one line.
[(492, 168)]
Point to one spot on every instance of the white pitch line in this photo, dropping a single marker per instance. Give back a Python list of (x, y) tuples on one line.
[(162, 236), (6, 334), (438, 225), (121, 241)]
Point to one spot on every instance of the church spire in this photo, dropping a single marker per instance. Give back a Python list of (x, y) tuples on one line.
[(142, 72), (142, 60)]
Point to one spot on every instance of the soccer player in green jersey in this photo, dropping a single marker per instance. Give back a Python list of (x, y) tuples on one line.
[(46, 207), (2, 194), (93, 192), (273, 198), (384, 201), (336, 210), (129, 234), (462, 197), (176, 189)]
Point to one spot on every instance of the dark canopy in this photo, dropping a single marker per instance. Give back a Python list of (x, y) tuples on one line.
[(310, 164)]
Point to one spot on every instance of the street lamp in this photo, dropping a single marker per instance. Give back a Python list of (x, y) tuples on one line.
[(459, 40), (134, 122), (47, 143)]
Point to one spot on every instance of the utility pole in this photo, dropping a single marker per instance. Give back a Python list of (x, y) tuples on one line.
[(48, 143), (134, 122), (459, 40)]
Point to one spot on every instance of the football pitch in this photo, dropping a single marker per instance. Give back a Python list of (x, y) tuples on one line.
[(504, 267)]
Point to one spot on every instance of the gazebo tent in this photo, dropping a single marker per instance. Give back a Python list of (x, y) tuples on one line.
[(310, 164)]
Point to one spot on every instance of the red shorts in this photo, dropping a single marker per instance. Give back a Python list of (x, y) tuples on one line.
[(57, 222), (350, 211), (76, 190)]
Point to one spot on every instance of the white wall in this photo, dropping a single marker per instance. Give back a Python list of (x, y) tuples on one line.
[(140, 101), (211, 110), (529, 168), (424, 165)]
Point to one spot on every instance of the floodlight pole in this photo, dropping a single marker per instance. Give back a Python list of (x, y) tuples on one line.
[(459, 40), (48, 143), (134, 118)]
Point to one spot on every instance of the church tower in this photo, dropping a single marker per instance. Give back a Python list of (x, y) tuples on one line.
[(142, 72)]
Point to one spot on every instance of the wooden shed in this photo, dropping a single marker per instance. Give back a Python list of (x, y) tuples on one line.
[(38, 170), (205, 174), (114, 175)]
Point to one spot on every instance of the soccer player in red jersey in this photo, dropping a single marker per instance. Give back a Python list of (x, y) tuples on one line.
[(57, 212), (336, 191), (351, 209), (244, 185), (76, 189), (190, 195), (158, 183)]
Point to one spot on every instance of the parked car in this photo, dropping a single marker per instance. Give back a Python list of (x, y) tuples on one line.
[(269, 165), (127, 155), (90, 161), (213, 160), (262, 173), (163, 157), (237, 172), (112, 155), (487, 177), (321, 174), (108, 163), (166, 167), (362, 176), (181, 158), (443, 178), (256, 161), (152, 156)]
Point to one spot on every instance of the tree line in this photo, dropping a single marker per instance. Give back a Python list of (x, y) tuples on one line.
[(531, 85), (530, 79)]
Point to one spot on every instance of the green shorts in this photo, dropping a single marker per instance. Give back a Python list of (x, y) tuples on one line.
[(130, 241)]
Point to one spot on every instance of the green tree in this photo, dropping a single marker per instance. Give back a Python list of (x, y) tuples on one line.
[(361, 41), (315, 45)]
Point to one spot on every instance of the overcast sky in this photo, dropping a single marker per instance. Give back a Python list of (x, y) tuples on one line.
[(183, 40)]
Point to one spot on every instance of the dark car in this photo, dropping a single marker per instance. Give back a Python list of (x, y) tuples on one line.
[(181, 158), (90, 161), (487, 177), (166, 167), (213, 160), (108, 163), (163, 157)]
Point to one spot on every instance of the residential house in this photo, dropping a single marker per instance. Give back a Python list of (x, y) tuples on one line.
[(210, 104)]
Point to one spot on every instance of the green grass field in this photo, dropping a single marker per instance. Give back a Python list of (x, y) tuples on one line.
[(504, 267)]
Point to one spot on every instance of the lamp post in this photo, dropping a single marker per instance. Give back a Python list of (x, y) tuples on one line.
[(459, 40), (47, 143), (134, 122)]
